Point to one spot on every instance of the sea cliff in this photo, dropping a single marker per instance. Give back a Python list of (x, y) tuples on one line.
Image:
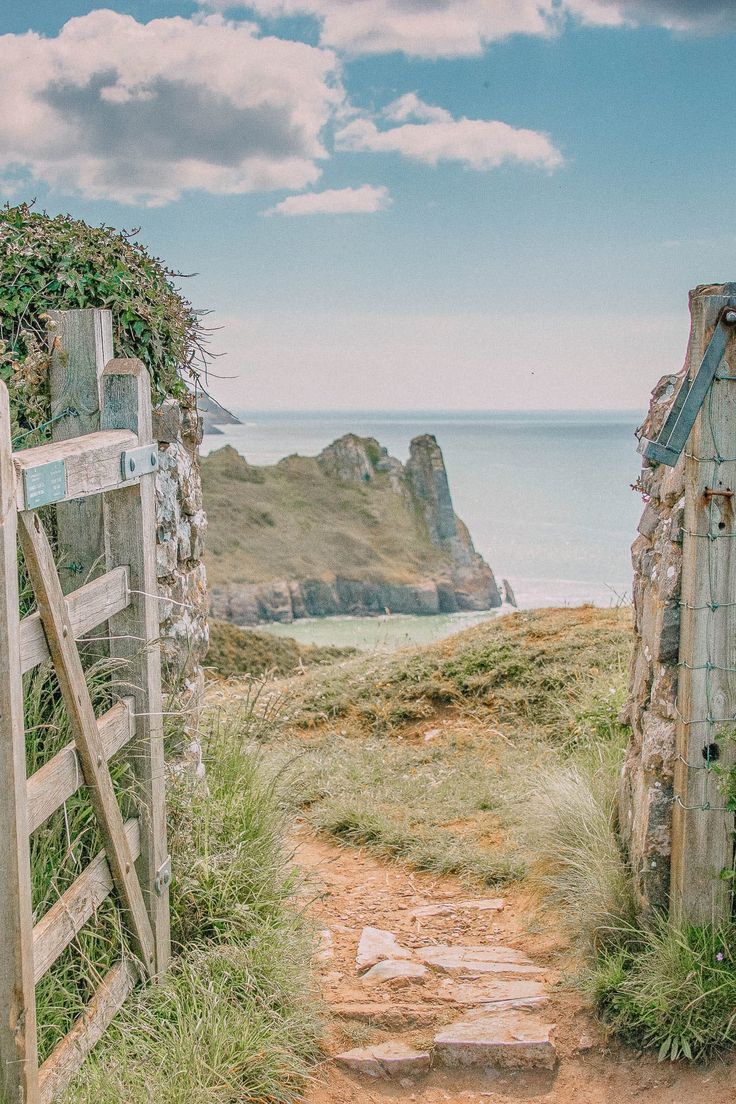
[(351, 531)]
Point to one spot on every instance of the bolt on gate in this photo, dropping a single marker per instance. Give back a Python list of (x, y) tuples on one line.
[(116, 462)]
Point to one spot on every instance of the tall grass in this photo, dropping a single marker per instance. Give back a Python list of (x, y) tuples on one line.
[(578, 861), (235, 1019)]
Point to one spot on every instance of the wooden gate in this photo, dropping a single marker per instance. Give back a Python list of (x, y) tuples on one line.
[(118, 462)]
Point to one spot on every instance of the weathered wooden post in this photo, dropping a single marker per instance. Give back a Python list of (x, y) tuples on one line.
[(702, 826), (81, 346), (18, 1051), (130, 527)]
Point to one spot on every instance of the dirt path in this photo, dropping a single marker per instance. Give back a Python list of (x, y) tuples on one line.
[(354, 891)]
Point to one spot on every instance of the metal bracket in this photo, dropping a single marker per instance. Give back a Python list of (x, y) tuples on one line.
[(690, 397), (162, 880), (44, 484), (139, 461)]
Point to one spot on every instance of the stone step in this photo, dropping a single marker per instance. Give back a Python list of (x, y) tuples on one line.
[(395, 972), (477, 960), (508, 1040), (393, 1059), (488, 991)]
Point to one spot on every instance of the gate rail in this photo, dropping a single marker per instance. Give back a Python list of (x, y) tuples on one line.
[(116, 462)]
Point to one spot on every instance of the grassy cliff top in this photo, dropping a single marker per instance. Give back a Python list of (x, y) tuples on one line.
[(234, 651), (294, 521)]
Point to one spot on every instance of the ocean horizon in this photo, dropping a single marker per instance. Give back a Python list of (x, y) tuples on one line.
[(547, 495)]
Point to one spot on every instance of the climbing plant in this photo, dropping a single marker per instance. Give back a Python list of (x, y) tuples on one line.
[(57, 263)]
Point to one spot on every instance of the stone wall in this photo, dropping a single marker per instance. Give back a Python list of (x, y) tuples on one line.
[(179, 549), (646, 787)]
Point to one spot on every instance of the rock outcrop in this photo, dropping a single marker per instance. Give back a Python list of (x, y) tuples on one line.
[(447, 574)]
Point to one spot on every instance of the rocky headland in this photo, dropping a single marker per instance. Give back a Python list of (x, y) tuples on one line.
[(351, 531)]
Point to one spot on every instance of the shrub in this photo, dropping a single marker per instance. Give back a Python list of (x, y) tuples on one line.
[(61, 263)]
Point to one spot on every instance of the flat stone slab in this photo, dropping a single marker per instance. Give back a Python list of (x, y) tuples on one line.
[(393, 1016), (375, 945), (391, 1059), (477, 960), (395, 972), (507, 1040), (509, 992), (449, 908)]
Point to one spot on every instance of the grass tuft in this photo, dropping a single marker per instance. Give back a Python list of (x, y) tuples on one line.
[(578, 860), (672, 989)]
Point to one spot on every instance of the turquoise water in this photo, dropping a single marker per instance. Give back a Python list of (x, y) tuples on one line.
[(547, 498)]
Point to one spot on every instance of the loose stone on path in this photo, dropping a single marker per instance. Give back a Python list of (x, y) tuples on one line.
[(376, 945), (449, 908)]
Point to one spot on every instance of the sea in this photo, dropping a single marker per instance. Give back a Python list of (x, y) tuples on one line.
[(547, 497)]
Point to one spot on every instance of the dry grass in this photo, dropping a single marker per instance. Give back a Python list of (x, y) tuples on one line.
[(435, 756)]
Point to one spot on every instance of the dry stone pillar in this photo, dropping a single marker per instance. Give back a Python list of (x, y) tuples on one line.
[(646, 795)]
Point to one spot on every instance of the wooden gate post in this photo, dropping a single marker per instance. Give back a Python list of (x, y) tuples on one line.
[(18, 1050), (81, 347), (129, 522), (703, 828)]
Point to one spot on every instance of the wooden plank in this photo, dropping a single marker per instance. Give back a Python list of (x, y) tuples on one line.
[(89, 606), (702, 832), (92, 463), (18, 1047), (58, 779), (52, 607), (130, 537), (56, 929), (69, 1056), (80, 348)]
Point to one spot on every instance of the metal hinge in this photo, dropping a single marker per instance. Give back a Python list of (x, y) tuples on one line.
[(162, 880), (690, 397), (139, 461)]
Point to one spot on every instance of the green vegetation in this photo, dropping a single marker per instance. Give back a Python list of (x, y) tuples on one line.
[(671, 989), (323, 525), (235, 1019), (430, 755), (62, 263), (61, 849), (234, 651)]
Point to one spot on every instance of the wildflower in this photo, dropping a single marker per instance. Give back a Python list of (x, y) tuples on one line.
[(720, 956)]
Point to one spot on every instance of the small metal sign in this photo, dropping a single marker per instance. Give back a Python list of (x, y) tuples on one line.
[(139, 461), (44, 484)]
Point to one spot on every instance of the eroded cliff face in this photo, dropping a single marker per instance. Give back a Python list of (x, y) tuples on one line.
[(460, 578)]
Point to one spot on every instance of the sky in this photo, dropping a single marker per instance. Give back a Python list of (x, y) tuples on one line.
[(397, 204)]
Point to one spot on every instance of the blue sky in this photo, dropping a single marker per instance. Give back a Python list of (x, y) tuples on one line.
[(449, 264)]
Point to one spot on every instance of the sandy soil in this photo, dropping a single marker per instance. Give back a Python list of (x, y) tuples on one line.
[(349, 890)]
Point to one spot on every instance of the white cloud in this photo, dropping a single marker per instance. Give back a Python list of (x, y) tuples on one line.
[(140, 113), (480, 144), (409, 106), (419, 28), (335, 201), (700, 16), (464, 28)]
